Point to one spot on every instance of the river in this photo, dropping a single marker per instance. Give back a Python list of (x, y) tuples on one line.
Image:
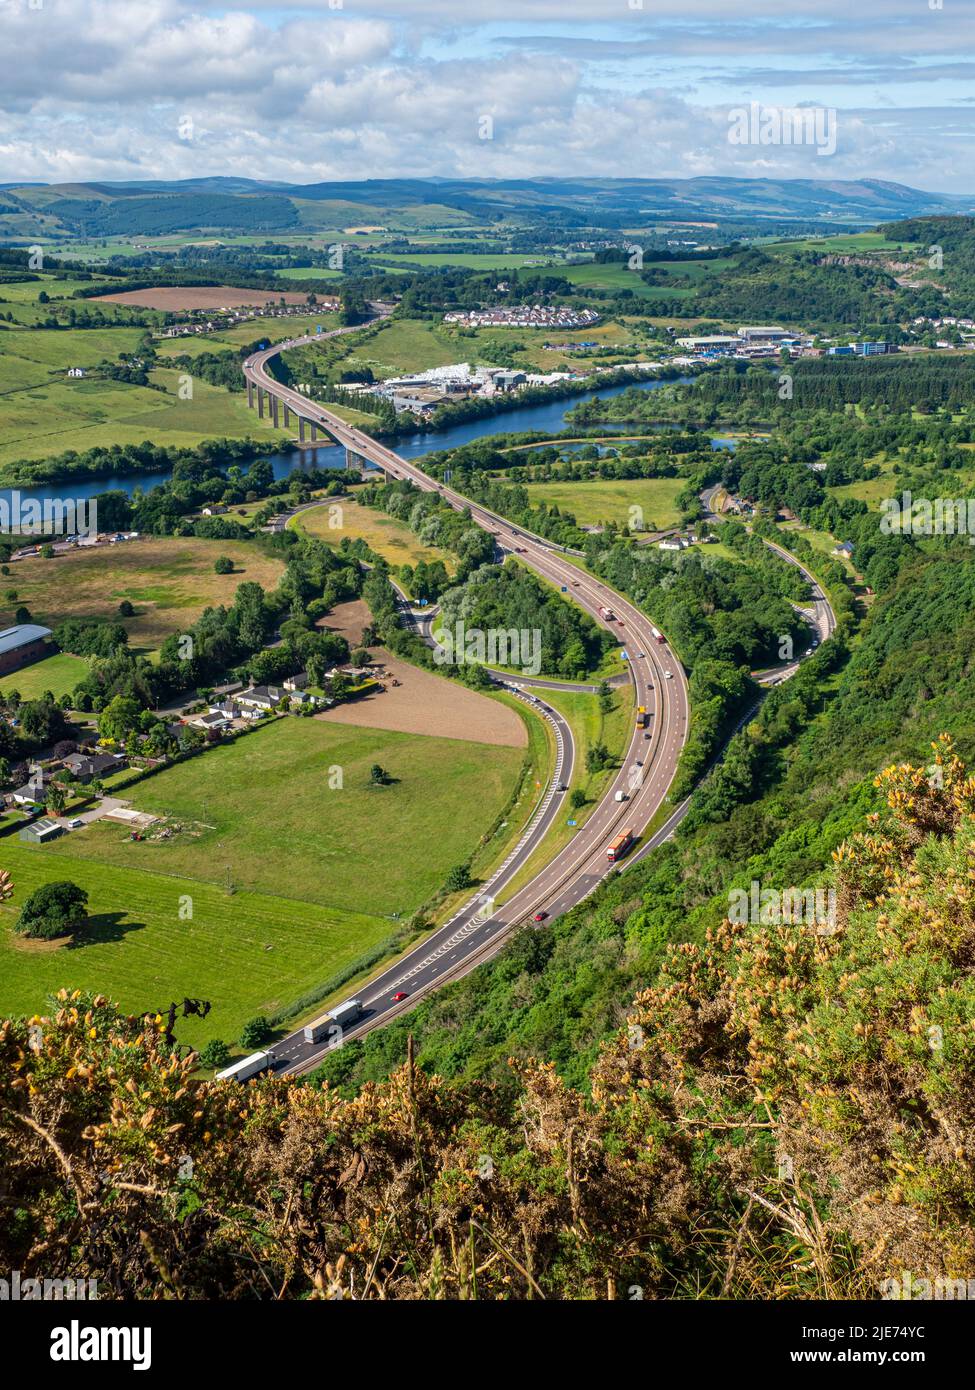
[(548, 419)]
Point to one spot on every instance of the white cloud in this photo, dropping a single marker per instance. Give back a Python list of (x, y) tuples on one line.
[(98, 88)]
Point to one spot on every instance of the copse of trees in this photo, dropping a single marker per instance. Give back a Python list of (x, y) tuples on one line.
[(53, 910)]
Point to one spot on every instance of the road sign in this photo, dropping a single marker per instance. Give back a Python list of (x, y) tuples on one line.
[(572, 822)]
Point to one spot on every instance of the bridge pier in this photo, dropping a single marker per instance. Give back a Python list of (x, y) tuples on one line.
[(274, 411), (314, 431), (301, 429), (250, 394), (287, 414), (260, 402)]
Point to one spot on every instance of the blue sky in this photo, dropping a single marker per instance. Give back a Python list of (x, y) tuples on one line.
[(506, 88)]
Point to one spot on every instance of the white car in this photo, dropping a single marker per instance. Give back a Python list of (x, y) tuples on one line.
[(75, 823), (668, 675)]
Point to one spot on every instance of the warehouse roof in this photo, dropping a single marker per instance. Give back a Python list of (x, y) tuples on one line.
[(13, 637)]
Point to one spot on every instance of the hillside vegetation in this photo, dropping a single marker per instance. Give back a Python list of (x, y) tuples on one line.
[(788, 1113)]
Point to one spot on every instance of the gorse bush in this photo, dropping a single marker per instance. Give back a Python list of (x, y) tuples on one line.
[(787, 1112)]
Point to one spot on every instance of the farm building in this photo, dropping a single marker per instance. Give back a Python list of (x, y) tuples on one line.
[(22, 644), (41, 831)]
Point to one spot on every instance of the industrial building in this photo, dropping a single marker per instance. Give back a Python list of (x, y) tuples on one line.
[(21, 645)]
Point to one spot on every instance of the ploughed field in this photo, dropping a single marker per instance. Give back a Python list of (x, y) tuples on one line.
[(174, 298)]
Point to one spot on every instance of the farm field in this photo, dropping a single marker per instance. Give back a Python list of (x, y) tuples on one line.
[(617, 276), (248, 953), (841, 245), (386, 536), (169, 579), (471, 259), (179, 298), (44, 420), (59, 674), (308, 272), (609, 500), (424, 701), (407, 345), (263, 814)]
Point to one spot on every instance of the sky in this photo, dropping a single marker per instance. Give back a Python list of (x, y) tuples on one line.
[(355, 89)]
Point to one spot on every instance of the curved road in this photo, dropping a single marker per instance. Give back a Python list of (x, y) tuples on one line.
[(480, 928)]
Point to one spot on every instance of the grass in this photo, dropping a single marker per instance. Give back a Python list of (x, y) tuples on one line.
[(59, 673), (383, 534), (249, 953), (41, 420), (589, 726), (603, 500), (841, 245), (169, 580), (263, 811), (409, 345)]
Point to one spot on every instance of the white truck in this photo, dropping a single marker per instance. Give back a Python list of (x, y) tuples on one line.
[(246, 1067), (339, 1017)]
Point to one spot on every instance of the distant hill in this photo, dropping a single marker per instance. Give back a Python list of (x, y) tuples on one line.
[(236, 204)]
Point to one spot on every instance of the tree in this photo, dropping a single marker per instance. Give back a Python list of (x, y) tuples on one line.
[(56, 798), (119, 718), (22, 616), (256, 1032), (216, 1054), (53, 910), (379, 776), (41, 721), (126, 609), (223, 565), (577, 799), (458, 879), (597, 758)]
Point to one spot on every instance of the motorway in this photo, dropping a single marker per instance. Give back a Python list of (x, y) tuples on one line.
[(479, 929)]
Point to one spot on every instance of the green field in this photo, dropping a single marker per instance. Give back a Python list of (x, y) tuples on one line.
[(59, 674), (608, 500), (248, 953), (408, 345), (840, 245), (168, 579), (388, 537), (41, 420), (263, 813)]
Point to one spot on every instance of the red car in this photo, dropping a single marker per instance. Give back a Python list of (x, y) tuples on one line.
[(540, 916), (398, 998)]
